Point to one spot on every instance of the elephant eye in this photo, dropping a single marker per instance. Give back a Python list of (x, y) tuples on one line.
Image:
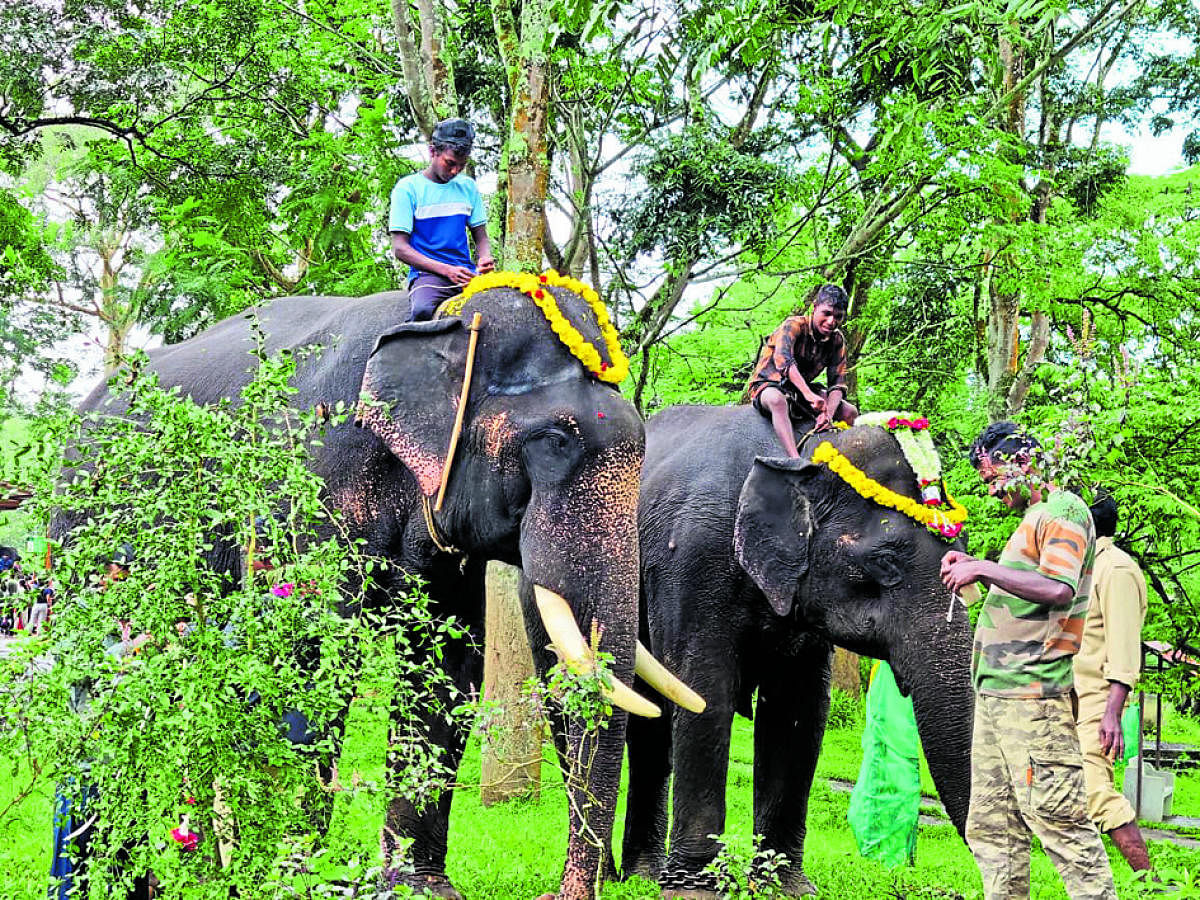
[(551, 440), (550, 454)]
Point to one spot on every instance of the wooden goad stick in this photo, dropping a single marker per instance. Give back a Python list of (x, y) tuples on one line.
[(462, 409)]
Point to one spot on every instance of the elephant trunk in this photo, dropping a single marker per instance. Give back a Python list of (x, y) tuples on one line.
[(579, 549), (932, 661)]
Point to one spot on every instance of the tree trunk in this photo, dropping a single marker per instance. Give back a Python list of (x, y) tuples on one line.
[(845, 671), (425, 62), (525, 160), (1004, 314), (512, 751), (114, 317), (1003, 343)]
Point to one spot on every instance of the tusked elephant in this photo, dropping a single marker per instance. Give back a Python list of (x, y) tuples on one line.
[(752, 568), (545, 477)]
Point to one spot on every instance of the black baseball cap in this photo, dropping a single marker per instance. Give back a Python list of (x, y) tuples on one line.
[(456, 133)]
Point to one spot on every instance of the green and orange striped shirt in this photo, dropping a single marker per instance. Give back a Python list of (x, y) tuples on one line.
[(1024, 649)]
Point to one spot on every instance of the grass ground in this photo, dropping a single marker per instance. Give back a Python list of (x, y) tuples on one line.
[(515, 850)]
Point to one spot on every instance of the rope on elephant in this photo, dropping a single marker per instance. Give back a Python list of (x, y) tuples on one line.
[(462, 408), (436, 536)]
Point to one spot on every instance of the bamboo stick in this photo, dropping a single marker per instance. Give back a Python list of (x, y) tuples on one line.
[(462, 409)]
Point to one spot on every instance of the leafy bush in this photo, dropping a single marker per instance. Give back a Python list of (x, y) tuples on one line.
[(193, 721), (747, 872), (845, 711)]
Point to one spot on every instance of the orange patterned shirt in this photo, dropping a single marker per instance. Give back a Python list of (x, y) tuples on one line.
[(1024, 649), (793, 344)]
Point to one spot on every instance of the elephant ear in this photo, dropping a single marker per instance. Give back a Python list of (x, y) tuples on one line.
[(410, 392), (773, 527)]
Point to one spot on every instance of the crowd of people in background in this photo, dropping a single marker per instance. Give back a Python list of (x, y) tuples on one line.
[(26, 597)]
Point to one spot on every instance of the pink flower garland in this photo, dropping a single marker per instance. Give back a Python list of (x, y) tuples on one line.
[(915, 424)]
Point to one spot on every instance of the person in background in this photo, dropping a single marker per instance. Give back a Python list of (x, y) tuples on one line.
[(10, 595), (40, 611), (803, 348), (431, 213), (1106, 670), (1026, 766)]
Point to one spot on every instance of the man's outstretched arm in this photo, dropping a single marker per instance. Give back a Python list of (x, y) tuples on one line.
[(960, 569)]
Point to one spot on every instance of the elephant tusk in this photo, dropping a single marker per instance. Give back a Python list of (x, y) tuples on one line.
[(658, 677), (569, 644)]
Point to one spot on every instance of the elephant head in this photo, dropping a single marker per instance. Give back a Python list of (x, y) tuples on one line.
[(867, 577), (545, 476)]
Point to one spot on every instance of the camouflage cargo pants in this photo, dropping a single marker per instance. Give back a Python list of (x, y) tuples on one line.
[(1027, 776)]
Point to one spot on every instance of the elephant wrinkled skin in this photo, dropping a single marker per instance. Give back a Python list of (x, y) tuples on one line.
[(545, 477), (752, 568)]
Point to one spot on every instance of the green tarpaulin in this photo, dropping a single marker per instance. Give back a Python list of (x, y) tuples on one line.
[(887, 796)]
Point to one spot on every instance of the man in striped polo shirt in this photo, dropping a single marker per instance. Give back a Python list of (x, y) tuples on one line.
[(431, 213), (1026, 765)]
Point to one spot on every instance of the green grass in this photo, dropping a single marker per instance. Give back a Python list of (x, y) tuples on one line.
[(516, 850)]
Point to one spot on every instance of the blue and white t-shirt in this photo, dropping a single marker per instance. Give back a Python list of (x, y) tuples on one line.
[(436, 217)]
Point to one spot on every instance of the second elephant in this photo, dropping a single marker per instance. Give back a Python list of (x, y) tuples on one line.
[(753, 567)]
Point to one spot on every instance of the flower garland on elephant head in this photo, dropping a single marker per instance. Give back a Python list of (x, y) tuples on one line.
[(536, 288), (944, 518)]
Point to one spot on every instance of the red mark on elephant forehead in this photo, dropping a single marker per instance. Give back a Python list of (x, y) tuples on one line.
[(847, 539), (600, 415)]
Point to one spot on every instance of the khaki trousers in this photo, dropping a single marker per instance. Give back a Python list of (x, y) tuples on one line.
[(1106, 806), (1027, 777)]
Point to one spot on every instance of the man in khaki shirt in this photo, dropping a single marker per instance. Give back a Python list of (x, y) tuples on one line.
[(1106, 670)]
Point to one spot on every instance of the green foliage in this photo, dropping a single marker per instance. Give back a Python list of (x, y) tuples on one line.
[(845, 711), (703, 192), (259, 141), (743, 873), (25, 264), (166, 691)]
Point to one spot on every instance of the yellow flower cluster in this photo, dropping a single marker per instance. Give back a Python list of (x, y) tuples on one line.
[(946, 523), (536, 288), (452, 307)]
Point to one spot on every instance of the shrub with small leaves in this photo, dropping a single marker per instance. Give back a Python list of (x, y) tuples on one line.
[(195, 680), (744, 872), (845, 711)]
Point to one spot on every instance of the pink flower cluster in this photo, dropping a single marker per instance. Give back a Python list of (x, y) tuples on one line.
[(915, 424), (947, 530), (287, 588), (188, 840)]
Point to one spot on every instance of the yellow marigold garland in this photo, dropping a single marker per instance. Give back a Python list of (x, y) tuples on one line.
[(946, 523), (534, 286)]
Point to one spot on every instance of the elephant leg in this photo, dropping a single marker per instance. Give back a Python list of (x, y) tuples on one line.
[(544, 659), (423, 866), (700, 764), (789, 722), (649, 740)]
